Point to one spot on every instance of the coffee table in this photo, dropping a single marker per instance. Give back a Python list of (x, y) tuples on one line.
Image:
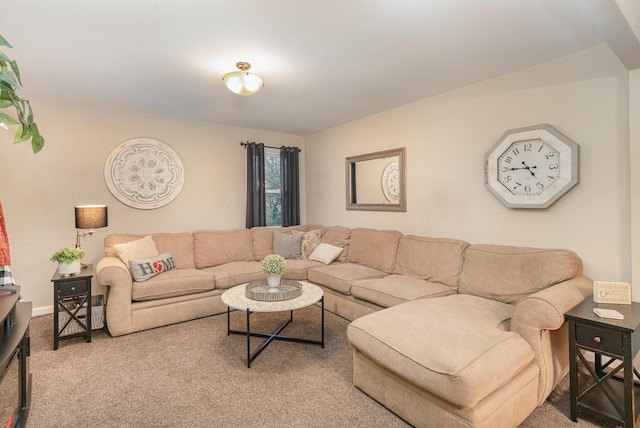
[(235, 298)]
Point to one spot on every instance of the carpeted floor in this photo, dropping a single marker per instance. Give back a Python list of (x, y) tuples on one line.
[(193, 375)]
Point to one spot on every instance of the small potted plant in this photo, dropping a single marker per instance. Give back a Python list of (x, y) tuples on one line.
[(274, 265), (68, 260)]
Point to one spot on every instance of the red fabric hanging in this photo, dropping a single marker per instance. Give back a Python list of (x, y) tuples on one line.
[(5, 257)]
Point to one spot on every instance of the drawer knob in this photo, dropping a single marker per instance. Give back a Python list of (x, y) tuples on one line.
[(74, 289), (597, 339)]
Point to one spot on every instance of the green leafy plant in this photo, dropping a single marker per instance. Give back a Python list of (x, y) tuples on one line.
[(67, 255), (9, 83), (274, 264)]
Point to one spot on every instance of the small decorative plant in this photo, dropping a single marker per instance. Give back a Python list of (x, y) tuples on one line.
[(274, 264), (67, 255)]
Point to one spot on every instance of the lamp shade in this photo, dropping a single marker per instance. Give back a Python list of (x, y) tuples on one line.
[(242, 82), (91, 216)]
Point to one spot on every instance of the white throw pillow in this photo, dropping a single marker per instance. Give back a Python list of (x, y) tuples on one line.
[(325, 253), (139, 249)]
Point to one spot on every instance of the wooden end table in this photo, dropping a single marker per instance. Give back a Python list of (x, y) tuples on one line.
[(235, 298), (72, 296), (610, 392)]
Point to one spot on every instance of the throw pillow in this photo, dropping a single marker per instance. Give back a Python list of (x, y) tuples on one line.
[(325, 253), (310, 241), (288, 246), (138, 249), (143, 269)]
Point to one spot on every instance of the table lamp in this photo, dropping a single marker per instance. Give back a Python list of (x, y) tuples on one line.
[(90, 217)]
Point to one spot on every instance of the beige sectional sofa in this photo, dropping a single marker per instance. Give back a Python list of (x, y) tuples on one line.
[(444, 333)]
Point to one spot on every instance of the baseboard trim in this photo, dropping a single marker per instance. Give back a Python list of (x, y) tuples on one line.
[(43, 310)]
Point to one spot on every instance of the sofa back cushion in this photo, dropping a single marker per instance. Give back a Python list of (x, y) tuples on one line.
[(216, 247), (337, 236), (432, 259), (374, 248), (180, 245), (507, 274)]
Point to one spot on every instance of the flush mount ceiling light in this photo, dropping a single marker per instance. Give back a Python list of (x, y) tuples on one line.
[(242, 82)]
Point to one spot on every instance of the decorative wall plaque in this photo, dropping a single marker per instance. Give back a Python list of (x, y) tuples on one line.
[(612, 292), (144, 173)]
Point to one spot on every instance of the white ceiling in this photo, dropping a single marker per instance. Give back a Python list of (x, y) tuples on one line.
[(325, 62)]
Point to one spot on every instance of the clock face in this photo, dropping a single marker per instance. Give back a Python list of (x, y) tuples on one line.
[(531, 167)]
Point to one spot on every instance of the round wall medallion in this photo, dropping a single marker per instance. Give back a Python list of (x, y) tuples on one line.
[(391, 182), (144, 173)]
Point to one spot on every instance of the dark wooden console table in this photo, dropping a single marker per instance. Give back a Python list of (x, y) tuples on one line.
[(613, 389)]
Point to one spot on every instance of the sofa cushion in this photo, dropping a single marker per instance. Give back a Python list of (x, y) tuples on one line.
[(177, 282), (180, 245), (433, 259), (456, 347), (145, 269), (374, 248), (298, 269), (507, 274), (339, 237), (339, 277), (217, 247), (287, 245), (235, 273), (395, 289)]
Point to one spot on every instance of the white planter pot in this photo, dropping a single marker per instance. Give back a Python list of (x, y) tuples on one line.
[(66, 269), (273, 281)]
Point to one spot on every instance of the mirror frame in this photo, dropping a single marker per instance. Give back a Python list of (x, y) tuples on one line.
[(350, 164)]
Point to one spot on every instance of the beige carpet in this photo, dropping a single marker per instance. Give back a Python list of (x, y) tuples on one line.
[(193, 375)]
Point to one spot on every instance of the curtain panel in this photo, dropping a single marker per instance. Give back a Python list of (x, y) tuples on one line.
[(256, 209), (289, 172)]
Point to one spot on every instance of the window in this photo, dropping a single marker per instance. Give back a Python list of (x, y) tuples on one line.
[(273, 186)]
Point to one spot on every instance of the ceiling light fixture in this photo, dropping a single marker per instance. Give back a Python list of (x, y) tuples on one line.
[(242, 82)]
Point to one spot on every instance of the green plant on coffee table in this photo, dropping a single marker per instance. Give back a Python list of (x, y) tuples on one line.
[(67, 255), (274, 264)]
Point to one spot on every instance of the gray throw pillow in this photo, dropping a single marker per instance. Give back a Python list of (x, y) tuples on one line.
[(143, 269), (288, 246)]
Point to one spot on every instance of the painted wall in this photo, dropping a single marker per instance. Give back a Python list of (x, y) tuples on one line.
[(584, 96), (39, 192)]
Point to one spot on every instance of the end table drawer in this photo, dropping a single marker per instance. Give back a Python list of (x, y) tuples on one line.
[(72, 288), (599, 338)]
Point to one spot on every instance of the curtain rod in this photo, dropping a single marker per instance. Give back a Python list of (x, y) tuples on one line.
[(268, 147)]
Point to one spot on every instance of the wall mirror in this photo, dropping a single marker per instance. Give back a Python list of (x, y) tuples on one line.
[(377, 181)]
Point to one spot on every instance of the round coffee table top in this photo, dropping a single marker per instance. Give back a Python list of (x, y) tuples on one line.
[(236, 299)]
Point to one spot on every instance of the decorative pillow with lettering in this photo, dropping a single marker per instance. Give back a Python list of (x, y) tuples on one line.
[(143, 269)]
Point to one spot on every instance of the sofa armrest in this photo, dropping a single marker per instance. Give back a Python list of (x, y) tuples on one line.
[(545, 309), (539, 319), (112, 272)]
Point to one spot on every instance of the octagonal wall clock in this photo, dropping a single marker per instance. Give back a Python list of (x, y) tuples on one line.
[(532, 167)]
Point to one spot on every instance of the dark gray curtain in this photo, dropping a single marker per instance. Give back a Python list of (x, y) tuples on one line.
[(256, 211), (289, 170)]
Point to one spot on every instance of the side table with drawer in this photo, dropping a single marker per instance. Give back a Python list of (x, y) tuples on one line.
[(613, 388), (72, 305)]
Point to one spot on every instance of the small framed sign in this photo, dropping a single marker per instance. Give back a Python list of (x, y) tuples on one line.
[(612, 292)]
